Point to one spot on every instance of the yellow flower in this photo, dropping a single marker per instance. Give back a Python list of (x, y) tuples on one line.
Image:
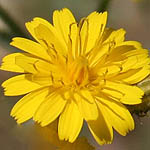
[(77, 72)]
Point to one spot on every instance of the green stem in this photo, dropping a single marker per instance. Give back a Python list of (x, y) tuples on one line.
[(11, 23), (104, 5), (6, 36)]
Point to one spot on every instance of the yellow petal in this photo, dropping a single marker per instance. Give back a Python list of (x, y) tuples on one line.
[(109, 46), (116, 36), (111, 40), (9, 64), (135, 62), (92, 30), (46, 79), (87, 105), (30, 47), (39, 20), (45, 68), (62, 21), (129, 63), (136, 44), (34, 65), (27, 63), (73, 40), (141, 61), (133, 76), (111, 71), (117, 114), (129, 56), (119, 51), (137, 52), (66, 25), (50, 109), (114, 94), (131, 94), (51, 38), (19, 85), (35, 23), (106, 34), (70, 122), (31, 26), (97, 54), (101, 129), (25, 108), (42, 80)]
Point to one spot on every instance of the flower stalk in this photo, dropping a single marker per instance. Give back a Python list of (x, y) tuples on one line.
[(15, 29), (104, 5), (6, 36)]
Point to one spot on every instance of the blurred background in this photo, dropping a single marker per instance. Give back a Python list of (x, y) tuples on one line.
[(132, 15)]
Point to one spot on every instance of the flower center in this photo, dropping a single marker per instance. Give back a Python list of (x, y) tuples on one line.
[(78, 72)]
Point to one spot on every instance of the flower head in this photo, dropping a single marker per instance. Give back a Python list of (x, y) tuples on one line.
[(77, 72)]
